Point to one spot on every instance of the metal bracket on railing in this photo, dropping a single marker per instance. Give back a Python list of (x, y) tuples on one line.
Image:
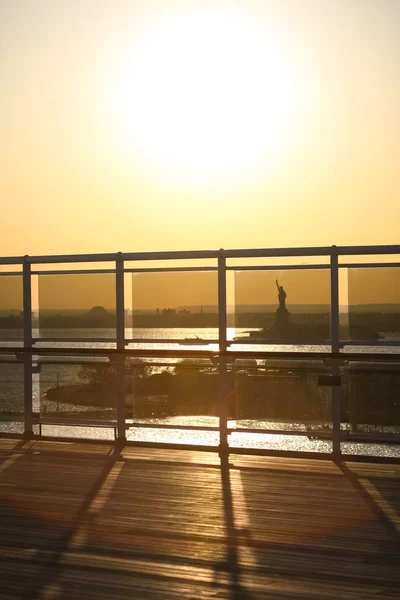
[(21, 358), (329, 380)]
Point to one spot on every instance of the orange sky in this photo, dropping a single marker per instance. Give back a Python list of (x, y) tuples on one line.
[(104, 148), (374, 286), (10, 293), (74, 292), (172, 290)]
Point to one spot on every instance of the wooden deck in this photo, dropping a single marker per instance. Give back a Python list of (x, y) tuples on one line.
[(84, 521)]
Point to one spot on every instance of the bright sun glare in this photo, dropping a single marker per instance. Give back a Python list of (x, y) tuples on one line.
[(206, 96)]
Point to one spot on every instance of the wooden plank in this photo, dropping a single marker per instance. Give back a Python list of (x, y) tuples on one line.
[(81, 520)]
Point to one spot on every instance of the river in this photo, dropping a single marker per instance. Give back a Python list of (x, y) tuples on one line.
[(11, 394)]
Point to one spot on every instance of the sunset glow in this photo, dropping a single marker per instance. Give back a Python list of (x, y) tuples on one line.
[(198, 124), (207, 95)]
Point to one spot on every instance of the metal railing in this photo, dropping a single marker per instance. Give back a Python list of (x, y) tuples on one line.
[(29, 351)]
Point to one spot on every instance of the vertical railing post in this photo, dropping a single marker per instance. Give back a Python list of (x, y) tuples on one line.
[(120, 362), (223, 373), (27, 312), (335, 347)]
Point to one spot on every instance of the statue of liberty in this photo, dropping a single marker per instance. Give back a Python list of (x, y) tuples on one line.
[(281, 296)]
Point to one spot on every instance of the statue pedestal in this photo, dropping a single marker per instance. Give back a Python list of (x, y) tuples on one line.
[(282, 328)]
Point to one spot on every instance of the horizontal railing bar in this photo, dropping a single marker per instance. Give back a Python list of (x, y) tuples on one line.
[(77, 363), (282, 343), (105, 363), (71, 258), (61, 423), (303, 432), (139, 425), (77, 340), (368, 265), (234, 368), (171, 255), (343, 343), (208, 268), (313, 251), (11, 260), (170, 269), (108, 351), (201, 269), (375, 437), (180, 341), (168, 353), (277, 252), (38, 419), (11, 361), (345, 436), (198, 254), (74, 272), (368, 250), (172, 365), (132, 256), (340, 356), (276, 267), (170, 426), (203, 342), (375, 343), (264, 342)]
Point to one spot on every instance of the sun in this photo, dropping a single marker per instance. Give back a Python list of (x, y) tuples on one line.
[(206, 96)]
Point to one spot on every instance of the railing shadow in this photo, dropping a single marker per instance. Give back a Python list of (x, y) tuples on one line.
[(51, 564), (232, 563), (380, 514), (19, 446)]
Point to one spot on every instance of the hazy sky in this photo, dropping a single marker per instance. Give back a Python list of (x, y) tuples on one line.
[(374, 286), (146, 125), (301, 287), (73, 292), (11, 293), (171, 290)]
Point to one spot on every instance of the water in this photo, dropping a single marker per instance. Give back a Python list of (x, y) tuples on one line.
[(11, 394)]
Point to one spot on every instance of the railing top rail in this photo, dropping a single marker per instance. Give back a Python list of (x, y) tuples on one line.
[(204, 254)]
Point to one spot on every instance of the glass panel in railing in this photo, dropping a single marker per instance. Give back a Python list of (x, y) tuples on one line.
[(180, 393), (175, 305), (374, 303), (371, 402), (11, 303), (282, 404), (11, 395), (285, 306), (77, 306), (74, 392)]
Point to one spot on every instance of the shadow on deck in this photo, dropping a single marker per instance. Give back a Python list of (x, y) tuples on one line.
[(88, 521)]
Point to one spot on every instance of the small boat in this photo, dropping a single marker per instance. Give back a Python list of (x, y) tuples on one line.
[(193, 341)]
